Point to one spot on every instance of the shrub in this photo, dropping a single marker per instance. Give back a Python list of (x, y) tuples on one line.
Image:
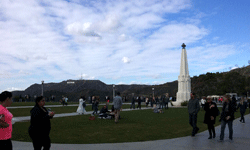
[(184, 103)]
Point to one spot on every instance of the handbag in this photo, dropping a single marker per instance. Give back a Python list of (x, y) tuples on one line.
[(91, 117)]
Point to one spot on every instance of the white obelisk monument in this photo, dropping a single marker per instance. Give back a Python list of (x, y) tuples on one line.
[(184, 81)]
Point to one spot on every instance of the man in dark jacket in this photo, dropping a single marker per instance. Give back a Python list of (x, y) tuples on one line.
[(139, 102), (243, 106), (193, 109), (166, 101)]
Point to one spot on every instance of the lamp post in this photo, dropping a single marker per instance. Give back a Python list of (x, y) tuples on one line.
[(113, 91), (42, 87), (153, 92)]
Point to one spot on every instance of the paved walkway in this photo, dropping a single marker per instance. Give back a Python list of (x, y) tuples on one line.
[(241, 141)]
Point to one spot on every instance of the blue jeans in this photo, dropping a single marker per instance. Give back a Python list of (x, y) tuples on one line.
[(192, 122), (230, 127)]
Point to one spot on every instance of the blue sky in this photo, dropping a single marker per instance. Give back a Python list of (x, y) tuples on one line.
[(119, 42)]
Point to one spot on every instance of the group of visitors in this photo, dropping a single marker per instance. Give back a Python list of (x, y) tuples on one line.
[(162, 101), (211, 112), (39, 128)]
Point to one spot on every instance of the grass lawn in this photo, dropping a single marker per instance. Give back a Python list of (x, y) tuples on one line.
[(134, 126), (58, 110)]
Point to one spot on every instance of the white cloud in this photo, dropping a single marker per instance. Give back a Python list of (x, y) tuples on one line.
[(126, 60), (59, 40), (13, 89), (85, 77)]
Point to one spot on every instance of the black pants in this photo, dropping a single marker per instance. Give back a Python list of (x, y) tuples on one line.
[(242, 116), (6, 144), (132, 105), (41, 141), (103, 115), (166, 104), (192, 122), (139, 105), (211, 129), (95, 109)]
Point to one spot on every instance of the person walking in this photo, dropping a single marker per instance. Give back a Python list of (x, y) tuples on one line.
[(147, 102), (107, 102), (203, 101), (243, 106), (227, 117), (211, 111), (151, 101), (96, 104), (93, 102), (139, 102), (193, 109), (160, 102), (132, 102), (66, 101), (40, 126), (117, 106), (5, 121), (80, 109), (166, 101)]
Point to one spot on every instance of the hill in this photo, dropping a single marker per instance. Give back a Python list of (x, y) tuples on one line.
[(234, 81)]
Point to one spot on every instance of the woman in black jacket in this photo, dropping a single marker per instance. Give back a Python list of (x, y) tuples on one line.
[(40, 125), (227, 117), (210, 116)]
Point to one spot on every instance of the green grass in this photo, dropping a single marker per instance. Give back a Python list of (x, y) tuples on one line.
[(134, 126), (58, 110)]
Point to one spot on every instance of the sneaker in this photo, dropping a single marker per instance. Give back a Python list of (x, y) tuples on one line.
[(100, 117), (220, 140)]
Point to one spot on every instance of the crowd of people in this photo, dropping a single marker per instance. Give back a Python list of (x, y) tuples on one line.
[(161, 101), (40, 126), (226, 116)]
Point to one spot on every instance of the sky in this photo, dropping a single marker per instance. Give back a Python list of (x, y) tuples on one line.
[(119, 41)]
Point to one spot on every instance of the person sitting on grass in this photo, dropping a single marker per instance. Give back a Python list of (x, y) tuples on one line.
[(103, 112), (156, 110)]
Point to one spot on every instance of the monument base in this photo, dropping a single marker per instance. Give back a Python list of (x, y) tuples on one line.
[(177, 103)]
